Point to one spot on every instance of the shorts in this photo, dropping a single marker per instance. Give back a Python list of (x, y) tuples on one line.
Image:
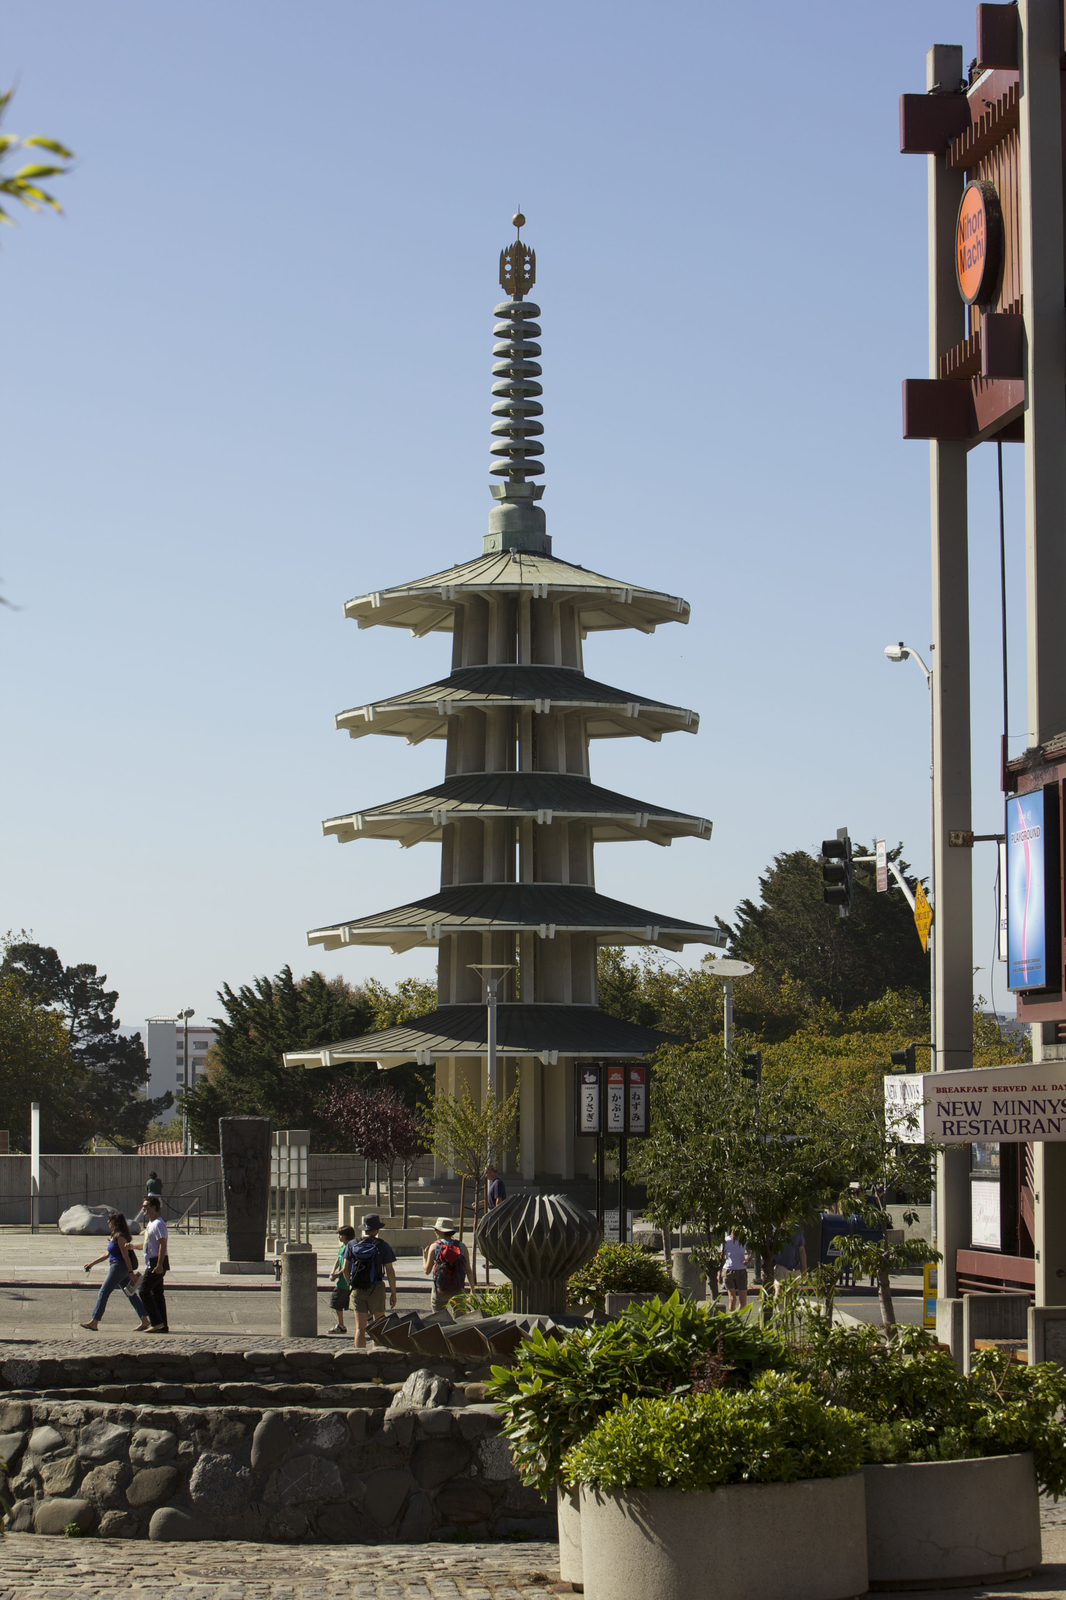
[(736, 1281), (369, 1301), (440, 1298), (782, 1274), (341, 1298)]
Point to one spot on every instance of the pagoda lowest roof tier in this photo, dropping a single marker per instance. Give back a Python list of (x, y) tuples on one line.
[(521, 1030), (544, 796), (544, 908), (423, 713), (427, 605)]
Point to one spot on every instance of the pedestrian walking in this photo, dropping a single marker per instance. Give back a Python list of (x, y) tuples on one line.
[(448, 1262), (495, 1190), (790, 1259), (156, 1263), (367, 1263), (122, 1265), (735, 1256), (341, 1298)]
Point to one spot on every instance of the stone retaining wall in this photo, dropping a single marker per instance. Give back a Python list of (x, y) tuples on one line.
[(374, 1475), (194, 1369)]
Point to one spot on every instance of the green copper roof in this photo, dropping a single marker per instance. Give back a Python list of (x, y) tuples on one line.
[(426, 605), (610, 713), (544, 908), (544, 796)]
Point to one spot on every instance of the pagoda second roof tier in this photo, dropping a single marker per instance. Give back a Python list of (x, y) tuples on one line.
[(543, 908), (544, 796), (424, 713), (521, 1030), (427, 605)]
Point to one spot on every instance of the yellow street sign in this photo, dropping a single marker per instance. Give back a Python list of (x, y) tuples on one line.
[(923, 916)]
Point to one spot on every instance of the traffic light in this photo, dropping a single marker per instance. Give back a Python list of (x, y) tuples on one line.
[(752, 1068), (905, 1059), (838, 875)]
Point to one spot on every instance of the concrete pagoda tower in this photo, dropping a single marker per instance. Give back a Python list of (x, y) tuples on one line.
[(517, 814)]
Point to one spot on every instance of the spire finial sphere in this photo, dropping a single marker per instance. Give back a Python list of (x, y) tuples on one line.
[(519, 221)]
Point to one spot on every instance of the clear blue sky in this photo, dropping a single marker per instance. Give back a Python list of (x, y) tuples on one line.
[(246, 376)]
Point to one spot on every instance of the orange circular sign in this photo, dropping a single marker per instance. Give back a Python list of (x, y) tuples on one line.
[(979, 243)]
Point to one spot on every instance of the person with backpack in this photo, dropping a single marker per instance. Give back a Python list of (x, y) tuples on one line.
[(367, 1263), (449, 1264)]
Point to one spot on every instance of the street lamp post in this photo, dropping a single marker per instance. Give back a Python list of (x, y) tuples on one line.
[(902, 652), (183, 1017), (729, 970), (492, 984)]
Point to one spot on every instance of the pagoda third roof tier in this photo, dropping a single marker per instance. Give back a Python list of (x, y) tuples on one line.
[(543, 908), (427, 605), (609, 713), (547, 1031), (544, 796)]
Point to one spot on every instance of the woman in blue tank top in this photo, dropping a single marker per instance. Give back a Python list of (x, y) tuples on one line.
[(119, 1272)]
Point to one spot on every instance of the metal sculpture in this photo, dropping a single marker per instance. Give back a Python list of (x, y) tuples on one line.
[(245, 1146), (538, 1240)]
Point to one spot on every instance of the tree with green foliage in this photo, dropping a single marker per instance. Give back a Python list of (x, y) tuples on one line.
[(727, 1155), (110, 1068), (245, 1074), (25, 184), (846, 961), (35, 1065)]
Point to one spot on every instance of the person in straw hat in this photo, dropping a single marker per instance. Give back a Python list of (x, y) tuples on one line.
[(448, 1262)]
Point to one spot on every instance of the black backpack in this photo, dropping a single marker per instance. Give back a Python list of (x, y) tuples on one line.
[(361, 1259)]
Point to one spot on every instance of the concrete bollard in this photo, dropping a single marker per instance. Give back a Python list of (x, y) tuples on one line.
[(949, 1327), (687, 1275), (299, 1294)]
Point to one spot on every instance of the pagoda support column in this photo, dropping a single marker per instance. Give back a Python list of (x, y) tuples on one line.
[(529, 1103)]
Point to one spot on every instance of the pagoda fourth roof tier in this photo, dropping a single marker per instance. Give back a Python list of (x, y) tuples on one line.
[(544, 796), (547, 1031), (543, 908), (610, 713), (427, 605)]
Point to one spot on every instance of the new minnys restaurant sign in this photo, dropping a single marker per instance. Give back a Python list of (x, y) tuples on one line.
[(1010, 1104)]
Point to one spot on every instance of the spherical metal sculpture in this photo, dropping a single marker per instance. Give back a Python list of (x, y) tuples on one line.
[(538, 1241)]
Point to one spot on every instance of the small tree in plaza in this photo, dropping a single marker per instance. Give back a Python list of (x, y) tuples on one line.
[(469, 1137), (382, 1128), (727, 1155), (881, 1166)]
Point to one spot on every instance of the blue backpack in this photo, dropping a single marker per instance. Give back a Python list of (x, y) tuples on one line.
[(361, 1260)]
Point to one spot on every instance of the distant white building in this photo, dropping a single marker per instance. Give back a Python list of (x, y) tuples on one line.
[(165, 1047)]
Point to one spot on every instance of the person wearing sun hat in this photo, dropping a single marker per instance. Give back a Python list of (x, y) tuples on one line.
[(448, 1262)]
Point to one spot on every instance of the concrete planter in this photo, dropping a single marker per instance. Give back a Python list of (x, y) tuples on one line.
[(615, 1304), (571, 1569), (931, 1523), (766, 1541)]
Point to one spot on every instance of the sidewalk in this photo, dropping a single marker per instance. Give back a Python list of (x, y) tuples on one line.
[(37, 1568)]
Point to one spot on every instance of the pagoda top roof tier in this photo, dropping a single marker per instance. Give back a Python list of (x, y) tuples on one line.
[(610, 713), (427, 605), (543, 796), (544, 908), (547, 1031)]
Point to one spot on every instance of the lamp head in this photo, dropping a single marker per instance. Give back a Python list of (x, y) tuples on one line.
[(897, 652)]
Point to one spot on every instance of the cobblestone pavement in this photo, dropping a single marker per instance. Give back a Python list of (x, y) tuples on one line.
[(33, 1568)]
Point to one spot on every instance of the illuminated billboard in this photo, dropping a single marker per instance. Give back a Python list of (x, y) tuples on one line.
[(1027, 921)]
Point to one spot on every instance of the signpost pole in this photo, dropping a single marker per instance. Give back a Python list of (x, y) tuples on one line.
[(35, 1167)]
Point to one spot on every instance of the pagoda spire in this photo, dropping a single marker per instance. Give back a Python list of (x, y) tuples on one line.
[(516, 522)]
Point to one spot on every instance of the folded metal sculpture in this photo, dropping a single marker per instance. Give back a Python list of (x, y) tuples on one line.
[(538, 1240)]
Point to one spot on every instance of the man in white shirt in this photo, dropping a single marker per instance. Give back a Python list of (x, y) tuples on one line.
[(156, 1262), (736, 1275)]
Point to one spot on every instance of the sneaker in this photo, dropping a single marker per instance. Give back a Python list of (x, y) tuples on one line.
[(337, 1330)]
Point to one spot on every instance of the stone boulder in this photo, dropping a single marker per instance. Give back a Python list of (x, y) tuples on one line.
[(421, 1390), (91, 1219)]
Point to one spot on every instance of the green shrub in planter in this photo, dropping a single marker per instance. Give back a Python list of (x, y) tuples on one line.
[(920, 1408), (775, 1432), (558, 1389), (618, 1269), (492, 1301)]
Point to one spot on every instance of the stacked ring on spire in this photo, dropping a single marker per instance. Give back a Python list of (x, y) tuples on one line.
[(516, 446)]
